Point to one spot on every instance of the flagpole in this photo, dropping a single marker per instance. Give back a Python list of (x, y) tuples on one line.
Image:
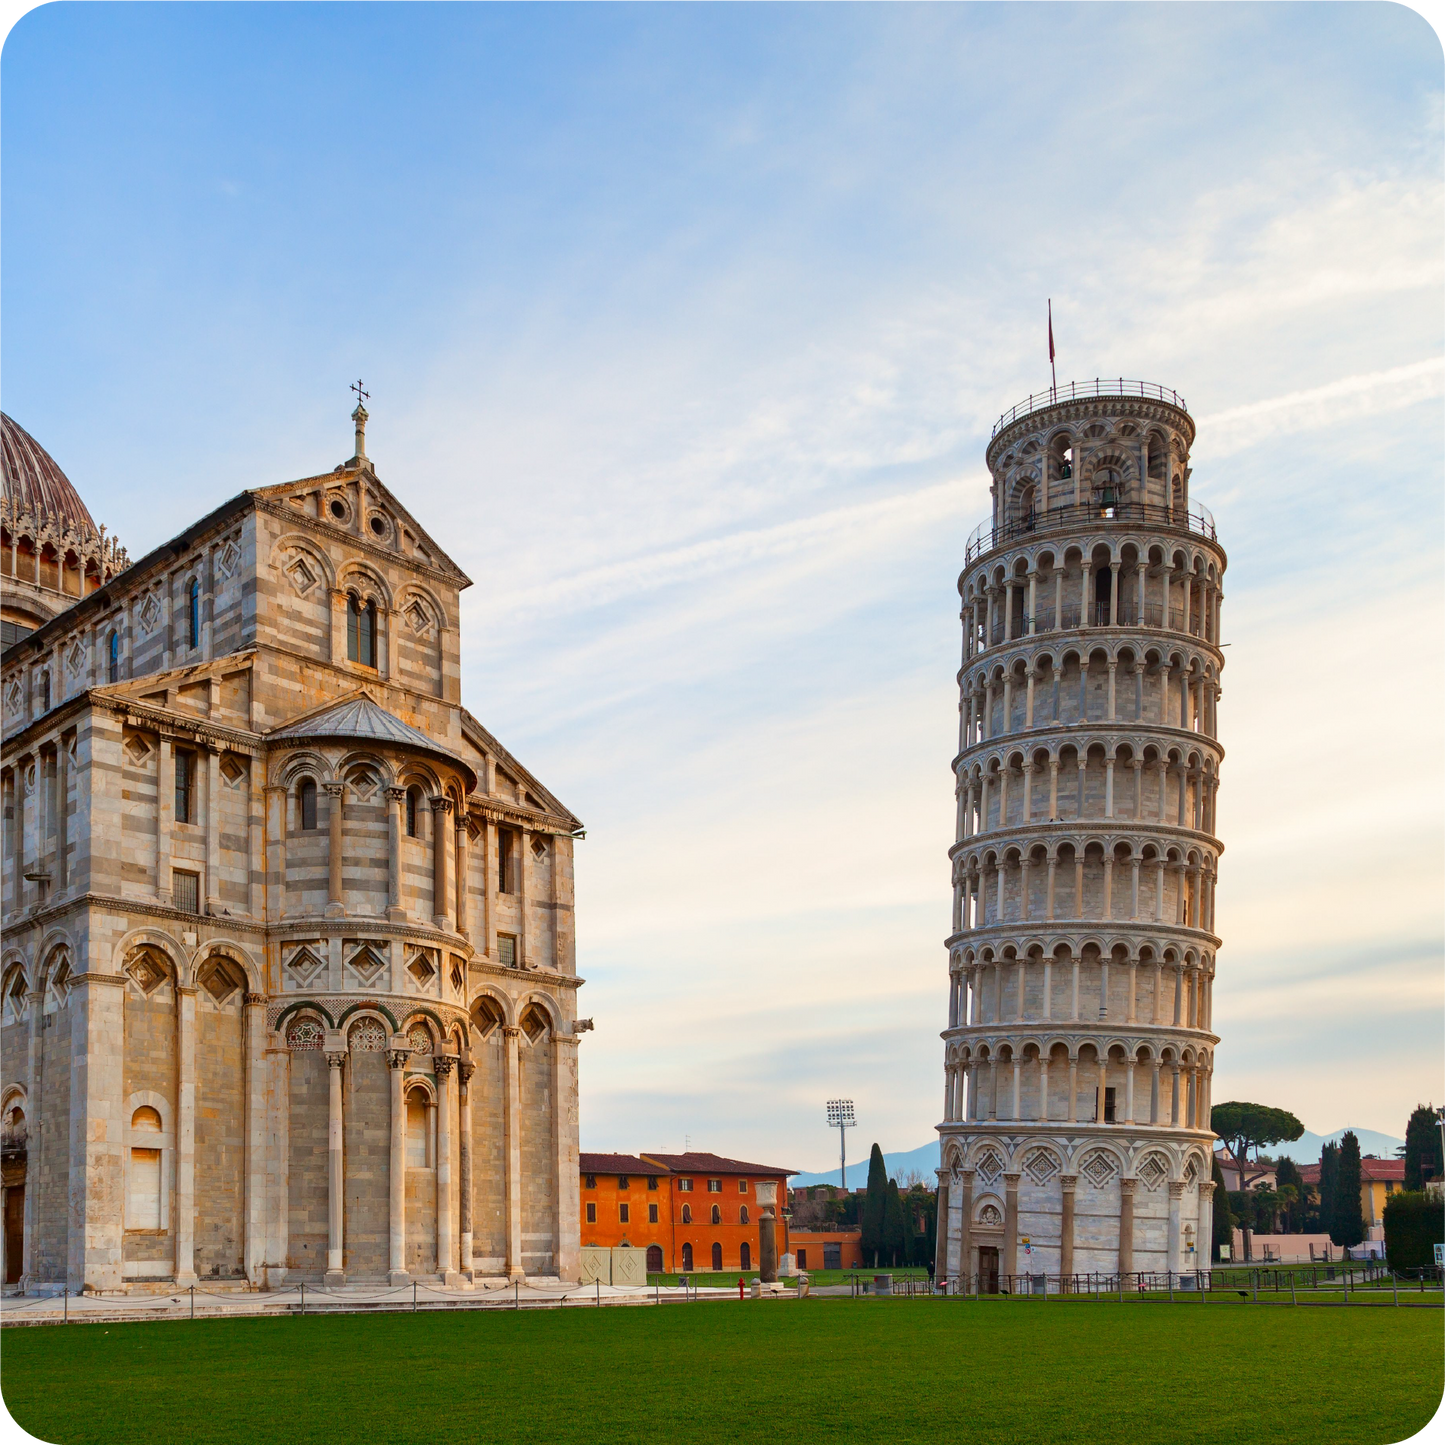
[(1053, 374)]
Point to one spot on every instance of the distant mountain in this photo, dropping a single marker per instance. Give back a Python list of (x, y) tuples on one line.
[(1306, 1149), (924, 1160)]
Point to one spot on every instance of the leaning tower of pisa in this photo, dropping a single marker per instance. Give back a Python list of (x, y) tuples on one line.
[(1079, 1051)]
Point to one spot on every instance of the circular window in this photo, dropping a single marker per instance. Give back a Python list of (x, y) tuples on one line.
[(338, 509), (378, 526)]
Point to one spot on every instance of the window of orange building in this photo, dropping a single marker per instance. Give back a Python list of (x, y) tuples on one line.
[(622, 1214), (591, 1213)]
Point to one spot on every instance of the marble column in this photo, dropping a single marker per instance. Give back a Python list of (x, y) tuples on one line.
[(396, 1056), (940, 1246), (1126, 1225), (1066, 1228), (335, 897), (465, 1069), (336, 1169), (444, 1063), (213, 830), (254, 1252), (1011, 1227), (165, 812), (464, 923), (1206, 1225), (513, 1146), (767, 1195), (395, 802), (1176, 1193), (441, 846), (185, 1221)]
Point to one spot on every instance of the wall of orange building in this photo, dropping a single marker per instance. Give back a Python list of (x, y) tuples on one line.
[(671, 1233), (808, 1247)]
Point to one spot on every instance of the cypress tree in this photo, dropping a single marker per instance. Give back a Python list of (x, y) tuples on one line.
[(1348, 1224), (1422, 1147), (1329, 1174), (1223, 1215), (875, 1204), (910, 1227)]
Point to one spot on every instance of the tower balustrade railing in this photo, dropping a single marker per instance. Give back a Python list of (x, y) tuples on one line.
[(986, 536), (1080, 390)]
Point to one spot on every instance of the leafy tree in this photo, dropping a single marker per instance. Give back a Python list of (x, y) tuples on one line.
[(1422, 1147), (1288, 1204), (1348, 1225), (1223, 1214), (1252, 1126), (1414, 1224), (1266, 1206), (894, 1229), (875, 1204), (1241, 1206)]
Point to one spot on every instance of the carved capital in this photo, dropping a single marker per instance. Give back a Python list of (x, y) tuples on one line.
[(397, 795), (1176, 1189), (1067, 1182), (441, 804), (465, 1069), (253, 999), (443, 1064), (1126, 1186), (510, 1031), (335, 789), (334, 1058)]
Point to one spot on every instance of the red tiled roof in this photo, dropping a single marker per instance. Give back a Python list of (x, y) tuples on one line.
[(715, 1164), (1380, 1169), (615, 1164)]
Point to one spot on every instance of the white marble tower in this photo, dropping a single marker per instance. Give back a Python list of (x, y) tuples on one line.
[(1079, 1050)]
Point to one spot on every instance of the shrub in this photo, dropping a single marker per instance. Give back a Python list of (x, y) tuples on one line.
[(1414, 1225)]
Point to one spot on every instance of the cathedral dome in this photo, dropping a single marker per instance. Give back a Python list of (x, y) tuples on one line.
[(33, 483)]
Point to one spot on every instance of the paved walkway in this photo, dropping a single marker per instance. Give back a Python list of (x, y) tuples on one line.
[(203, 1303)]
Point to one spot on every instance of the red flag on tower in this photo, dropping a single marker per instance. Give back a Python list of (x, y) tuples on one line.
[(1053, 376)]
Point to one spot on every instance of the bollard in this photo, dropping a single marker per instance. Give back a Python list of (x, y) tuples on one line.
[(413, 1296), (1292, 1299), (303, 1299)]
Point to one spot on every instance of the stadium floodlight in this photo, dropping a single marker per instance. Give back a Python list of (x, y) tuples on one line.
[(840, 1117)]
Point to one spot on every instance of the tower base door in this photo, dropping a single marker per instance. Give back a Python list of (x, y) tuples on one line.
[(988, 1270)]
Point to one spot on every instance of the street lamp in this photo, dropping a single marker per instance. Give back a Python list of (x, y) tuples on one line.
[(840, 1117)]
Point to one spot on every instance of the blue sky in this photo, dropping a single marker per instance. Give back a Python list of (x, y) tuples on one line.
[(685, 329)]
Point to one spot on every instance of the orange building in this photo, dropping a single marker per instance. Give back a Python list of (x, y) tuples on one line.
[(827, 1248), (691, 1212)]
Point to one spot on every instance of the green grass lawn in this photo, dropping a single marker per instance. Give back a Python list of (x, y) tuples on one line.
[(835, 1369)]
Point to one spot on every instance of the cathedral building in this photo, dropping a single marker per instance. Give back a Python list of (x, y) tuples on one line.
[(289, 982), (1079, 1049)]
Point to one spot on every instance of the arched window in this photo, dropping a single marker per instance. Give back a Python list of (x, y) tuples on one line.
[(687, 1216), (743, 1218), (687, 1259), (306, 799), (193, 611), (716, 1214), (745, 1256), (717, 1259), (112, 657), (413, 802), (145, 1173), (361, 631)]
